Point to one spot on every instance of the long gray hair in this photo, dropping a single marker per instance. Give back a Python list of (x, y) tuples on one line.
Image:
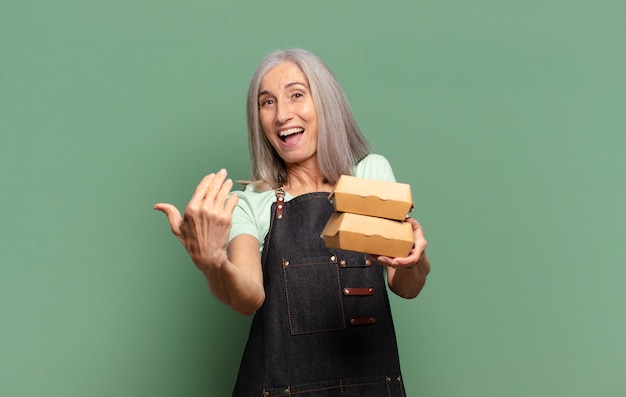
[(340, 143)]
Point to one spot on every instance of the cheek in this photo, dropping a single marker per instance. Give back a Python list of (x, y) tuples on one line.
[(310, 112), (268, 136)]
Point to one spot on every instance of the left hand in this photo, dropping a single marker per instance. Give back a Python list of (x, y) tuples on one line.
[(417, 253)]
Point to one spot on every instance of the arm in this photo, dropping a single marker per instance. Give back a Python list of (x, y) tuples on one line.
[(406, 276), (235, 278), (239, 282)]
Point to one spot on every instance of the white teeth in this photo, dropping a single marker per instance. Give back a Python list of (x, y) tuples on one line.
[(290, 131)]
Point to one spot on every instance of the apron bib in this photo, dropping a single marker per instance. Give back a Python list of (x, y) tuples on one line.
[(325, 327)]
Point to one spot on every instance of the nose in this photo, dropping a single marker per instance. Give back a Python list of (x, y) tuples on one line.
[(284, 112)]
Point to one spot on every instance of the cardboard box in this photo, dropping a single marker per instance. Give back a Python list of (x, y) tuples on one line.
[(367, 234), (371, 197)]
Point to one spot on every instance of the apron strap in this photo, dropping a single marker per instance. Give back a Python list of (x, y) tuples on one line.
[(280, 202)]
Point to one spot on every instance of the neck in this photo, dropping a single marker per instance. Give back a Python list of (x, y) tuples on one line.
[(305, 178)]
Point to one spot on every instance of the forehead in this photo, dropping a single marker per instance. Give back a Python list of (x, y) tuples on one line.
[(281, 76)]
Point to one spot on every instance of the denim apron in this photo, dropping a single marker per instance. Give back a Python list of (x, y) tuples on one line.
[(325, 327)]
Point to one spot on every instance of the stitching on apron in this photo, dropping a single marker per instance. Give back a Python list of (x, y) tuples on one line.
[(341, 386)]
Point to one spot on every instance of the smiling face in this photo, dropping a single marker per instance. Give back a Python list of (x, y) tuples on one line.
[(287, 113)]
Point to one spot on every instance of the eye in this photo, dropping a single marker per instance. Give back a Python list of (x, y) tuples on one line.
[(264, 103)]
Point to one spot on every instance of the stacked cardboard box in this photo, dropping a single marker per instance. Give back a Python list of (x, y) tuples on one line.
[(369, 217)]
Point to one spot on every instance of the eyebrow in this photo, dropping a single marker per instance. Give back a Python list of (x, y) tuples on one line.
[(288, 85)]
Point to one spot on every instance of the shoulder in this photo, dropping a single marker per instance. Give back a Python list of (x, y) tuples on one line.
[(250, 194), (251, 215), (254, 202), (374, 166)]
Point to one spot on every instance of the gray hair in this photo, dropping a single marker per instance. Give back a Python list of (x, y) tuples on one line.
[(340, 145)]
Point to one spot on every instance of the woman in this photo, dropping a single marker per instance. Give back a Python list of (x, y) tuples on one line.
[(261, 252)]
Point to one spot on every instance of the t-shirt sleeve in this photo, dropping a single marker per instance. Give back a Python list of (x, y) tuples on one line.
[(375, 166), (243, 218)]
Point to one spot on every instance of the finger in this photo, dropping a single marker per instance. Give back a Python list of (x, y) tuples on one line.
[(411, 259), (408, 261), (222, 194), (215, 186), (419, 240), (202, 187), (414, 223), (383, 260), (231, 203), (395, 262), (173, 216), (390, 261)]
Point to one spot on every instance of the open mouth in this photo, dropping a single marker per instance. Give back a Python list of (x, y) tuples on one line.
[(290, 133)]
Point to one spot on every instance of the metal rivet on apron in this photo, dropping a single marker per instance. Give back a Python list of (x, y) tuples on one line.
[(286, 391), (388, 379), (280, 199), (368, 262), (265, 393), (342, 263), (285, 262), (333, 258), (399, 379)]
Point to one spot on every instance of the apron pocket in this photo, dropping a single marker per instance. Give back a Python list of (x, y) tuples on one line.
[(314, 296)]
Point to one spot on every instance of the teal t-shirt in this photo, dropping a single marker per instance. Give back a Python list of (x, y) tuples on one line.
[(253, 211)]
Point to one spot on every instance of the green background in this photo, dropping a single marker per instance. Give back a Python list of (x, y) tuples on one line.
[(508, 119)]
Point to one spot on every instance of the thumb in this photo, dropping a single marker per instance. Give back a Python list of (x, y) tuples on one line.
[(173, 216)]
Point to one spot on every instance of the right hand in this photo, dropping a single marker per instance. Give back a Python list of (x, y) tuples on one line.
[(205, 226)]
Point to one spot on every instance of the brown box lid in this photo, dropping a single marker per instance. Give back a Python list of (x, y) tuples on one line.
[(371, 197), (367, 234)]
